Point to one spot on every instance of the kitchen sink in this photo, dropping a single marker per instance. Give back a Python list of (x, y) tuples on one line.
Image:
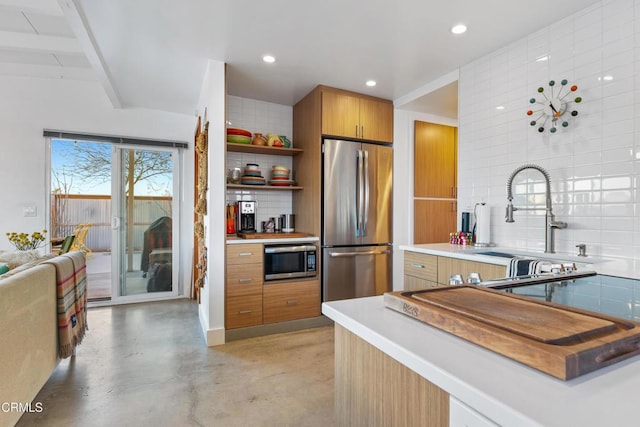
[(555, 258)]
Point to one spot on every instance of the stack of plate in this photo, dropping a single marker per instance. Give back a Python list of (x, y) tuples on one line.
[(252, 175), (238, 136), (280, 176)]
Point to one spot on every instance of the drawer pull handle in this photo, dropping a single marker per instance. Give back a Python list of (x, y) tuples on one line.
[(417, 265), (292, 302), (244, 280), (244, 312), (245, 254)]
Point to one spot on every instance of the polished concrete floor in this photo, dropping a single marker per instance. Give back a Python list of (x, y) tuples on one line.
[(147, 365)]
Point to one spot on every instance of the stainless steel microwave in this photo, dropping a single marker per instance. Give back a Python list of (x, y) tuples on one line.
[(290, 261)]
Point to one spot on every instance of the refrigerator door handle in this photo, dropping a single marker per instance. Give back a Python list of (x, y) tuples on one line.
[(366, 192), (352, 254), (360, 194)]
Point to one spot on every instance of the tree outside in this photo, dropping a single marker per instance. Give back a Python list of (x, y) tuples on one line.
[(85, 168)]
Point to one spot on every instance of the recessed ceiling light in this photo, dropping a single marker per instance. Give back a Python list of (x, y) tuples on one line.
[(500, 107), (606, 78), (459, 29), (269, 59), (371, 83), (542, 58)]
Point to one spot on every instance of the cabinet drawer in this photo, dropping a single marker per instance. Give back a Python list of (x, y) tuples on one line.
[(244, 254), (243, 311), (244, 279), (291, 300), (421, 265), (449, 266), (412, 283)]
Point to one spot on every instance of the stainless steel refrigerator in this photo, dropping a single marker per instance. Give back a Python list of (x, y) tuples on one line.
[(356, 219)]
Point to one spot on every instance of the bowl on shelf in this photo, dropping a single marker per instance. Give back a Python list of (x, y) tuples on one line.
[(239, 139), (282, 182), (252, 172), (253, 180), (278, 168), (252, 166), (236, 131)]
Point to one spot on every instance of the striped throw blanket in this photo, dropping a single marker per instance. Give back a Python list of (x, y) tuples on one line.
[(71, 281)]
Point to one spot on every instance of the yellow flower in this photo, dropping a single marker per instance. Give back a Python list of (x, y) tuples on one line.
[(25, 242)]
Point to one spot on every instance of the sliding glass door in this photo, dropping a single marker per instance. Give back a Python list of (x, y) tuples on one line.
[(121, 203), (144, 217)]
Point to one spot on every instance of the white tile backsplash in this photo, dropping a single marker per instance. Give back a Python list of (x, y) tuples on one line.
[(261, 117), (595, 175)]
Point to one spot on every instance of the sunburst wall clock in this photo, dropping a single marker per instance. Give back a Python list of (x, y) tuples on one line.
[(556, 106)]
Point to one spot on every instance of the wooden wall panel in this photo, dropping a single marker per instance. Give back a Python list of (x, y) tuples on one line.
[(372, 389)]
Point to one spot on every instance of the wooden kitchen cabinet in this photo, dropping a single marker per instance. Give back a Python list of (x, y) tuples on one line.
[(345, 114), (435, 160), (448, 266), (243, 285), (244, 279), (291, 300), (435, 187), (245, 254), (420, 271), (243, 311), (433, 220), (250, 301), (335, 112)]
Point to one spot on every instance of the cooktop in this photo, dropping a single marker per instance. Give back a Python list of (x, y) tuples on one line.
[(615, 296)]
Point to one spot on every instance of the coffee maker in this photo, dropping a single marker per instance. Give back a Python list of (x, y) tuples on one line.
[(247, 216)]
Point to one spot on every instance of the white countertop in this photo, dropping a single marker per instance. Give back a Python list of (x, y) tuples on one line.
[(622, 267), (239, 241), (505, 391)]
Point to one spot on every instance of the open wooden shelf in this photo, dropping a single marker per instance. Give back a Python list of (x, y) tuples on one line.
[(263, 149), (261, 187)]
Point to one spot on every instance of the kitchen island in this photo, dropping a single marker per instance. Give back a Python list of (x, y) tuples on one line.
[(483, 387)]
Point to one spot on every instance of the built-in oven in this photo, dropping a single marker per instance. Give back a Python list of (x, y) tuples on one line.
[(290, 261)]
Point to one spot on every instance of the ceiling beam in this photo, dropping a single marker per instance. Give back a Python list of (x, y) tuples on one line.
[(78, 22), (38, 43), (45, 7), (46, 71)]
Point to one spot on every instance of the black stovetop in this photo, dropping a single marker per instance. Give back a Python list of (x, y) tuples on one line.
[(615, 296)]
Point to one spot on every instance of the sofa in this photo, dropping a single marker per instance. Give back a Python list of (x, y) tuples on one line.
[(29, 352), (42, 319)]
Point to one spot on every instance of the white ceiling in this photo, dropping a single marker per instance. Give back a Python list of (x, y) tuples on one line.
[(150, 54)]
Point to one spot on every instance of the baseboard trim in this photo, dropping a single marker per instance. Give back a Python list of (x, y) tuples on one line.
[(277, 328)]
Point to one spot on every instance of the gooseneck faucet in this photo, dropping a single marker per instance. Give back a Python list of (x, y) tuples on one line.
[(549, 219)]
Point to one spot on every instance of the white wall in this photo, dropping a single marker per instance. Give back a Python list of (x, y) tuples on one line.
[(212, 97), (594, 164), (30, 104)]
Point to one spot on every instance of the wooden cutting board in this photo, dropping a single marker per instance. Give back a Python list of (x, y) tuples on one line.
[(272, 235), (562, 341)]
